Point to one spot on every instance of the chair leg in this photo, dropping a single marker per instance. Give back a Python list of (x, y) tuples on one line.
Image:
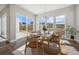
[(59, 49), (37, 48), (43, 49), (25, 49)]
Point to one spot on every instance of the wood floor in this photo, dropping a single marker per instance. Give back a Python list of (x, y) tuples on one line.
[(8, 48)]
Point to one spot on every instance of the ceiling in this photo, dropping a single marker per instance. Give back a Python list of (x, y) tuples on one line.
[(42, 8)]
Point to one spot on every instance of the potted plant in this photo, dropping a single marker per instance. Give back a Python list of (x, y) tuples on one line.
[(44, 29), (72, 32)]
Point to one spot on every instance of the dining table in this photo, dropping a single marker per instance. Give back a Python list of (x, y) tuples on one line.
[(43, 38)]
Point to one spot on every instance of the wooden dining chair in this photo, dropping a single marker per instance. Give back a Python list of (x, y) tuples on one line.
[(33, 43), (55, 39)]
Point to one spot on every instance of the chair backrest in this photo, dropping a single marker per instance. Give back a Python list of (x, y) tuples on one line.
[(55, 38)]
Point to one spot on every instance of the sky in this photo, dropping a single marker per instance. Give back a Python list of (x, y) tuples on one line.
[(59, 20), (25, 19)]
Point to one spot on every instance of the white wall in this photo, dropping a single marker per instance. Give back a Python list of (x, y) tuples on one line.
[(77, 17), (68, 11), (11, 11), (11, 23), (72, 17), (14, 27), (0, 26), (17, 25), (6, 11), (25, 13), (37, 24)]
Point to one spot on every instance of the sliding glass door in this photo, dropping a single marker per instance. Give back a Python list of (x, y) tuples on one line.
[(3, 25)]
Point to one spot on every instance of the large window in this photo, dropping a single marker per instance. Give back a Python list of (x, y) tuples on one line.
[(29, 22), (20, 23), (60, 21), (50, 22), (23, 23), (42, 22)]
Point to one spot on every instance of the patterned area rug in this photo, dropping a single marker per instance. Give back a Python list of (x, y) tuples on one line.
[(70, 50), (52, 50)]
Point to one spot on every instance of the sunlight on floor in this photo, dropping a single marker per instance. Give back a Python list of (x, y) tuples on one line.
[(21, 35)]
